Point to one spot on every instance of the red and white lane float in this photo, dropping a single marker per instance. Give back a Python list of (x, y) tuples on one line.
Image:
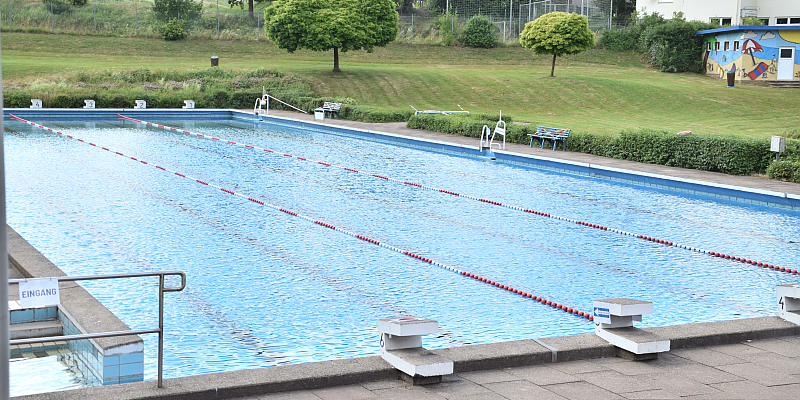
[(544, 301), (487, 201)]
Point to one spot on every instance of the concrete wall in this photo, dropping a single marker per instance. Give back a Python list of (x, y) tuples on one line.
[(761, 64)]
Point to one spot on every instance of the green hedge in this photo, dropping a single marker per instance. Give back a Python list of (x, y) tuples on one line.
[(788, 171)]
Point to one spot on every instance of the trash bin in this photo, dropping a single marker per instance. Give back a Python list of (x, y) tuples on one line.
[(731, 78), (215, 61)]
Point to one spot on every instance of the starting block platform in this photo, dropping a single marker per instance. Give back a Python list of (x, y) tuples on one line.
[(789, 302), (613, 321), (401, 346)]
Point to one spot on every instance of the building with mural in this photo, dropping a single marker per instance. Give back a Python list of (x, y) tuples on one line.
[(753, 53), (727, 12)]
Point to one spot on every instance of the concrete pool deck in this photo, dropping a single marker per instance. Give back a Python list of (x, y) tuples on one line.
[(747, 358)]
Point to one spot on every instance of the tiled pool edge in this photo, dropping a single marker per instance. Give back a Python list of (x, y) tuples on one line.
[(318, 375), (105, 360), (689, 186)]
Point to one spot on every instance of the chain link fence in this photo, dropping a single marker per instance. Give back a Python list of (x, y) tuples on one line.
[(426, 23), (131, 18)]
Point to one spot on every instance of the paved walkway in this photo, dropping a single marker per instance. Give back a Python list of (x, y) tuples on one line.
[(399, 128), (759, 369)]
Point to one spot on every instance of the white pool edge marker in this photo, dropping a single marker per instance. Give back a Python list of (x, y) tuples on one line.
[(562, 307)]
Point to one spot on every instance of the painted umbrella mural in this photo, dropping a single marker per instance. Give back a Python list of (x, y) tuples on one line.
[(749, 47)]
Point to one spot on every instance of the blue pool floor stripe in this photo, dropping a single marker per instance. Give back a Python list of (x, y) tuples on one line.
[(464, 273), (513, 207)]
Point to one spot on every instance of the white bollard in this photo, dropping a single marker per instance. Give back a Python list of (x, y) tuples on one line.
[(89, 104), (141, 104), (401, 346), (613, 321), (789, 302), (188, 104), (36, 103)]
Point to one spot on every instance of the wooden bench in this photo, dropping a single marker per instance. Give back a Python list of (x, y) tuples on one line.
[(330, 107), (548, 133)]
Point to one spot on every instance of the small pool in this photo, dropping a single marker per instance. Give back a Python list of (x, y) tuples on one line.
[(267, 288)]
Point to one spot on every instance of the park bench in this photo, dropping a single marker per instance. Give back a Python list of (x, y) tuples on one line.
[(329, 107), (548, 133)]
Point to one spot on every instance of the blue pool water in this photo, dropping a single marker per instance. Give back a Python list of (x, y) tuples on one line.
[(265, 288)]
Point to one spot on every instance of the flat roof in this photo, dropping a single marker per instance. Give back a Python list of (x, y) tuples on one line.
[(749, 28)]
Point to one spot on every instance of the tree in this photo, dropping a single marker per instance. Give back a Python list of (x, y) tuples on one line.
[(479, 32), (184, 10), (557, 33), (322, 25)]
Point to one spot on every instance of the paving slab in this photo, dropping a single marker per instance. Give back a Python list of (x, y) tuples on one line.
[(403, 393), (522, 390), (581, 391), (542, 375), (651, 394), (708, 356), (762, 375), (780, 346), (489, 376), (616, 382), (351, 392)]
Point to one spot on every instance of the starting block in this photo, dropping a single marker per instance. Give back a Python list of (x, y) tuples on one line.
[(188, 104), (401, 346), (141, 104), (613, 321), (89, 103), (789, 301), (36, 103)]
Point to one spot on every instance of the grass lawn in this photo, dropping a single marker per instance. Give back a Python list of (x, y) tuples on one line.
[(598, 91)]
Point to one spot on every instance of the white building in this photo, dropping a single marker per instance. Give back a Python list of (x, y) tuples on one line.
[(727, 12)]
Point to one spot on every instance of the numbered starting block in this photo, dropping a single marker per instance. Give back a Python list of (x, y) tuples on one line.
[(613, 321), (789, 302), (401, 346), (89, 103), (36, 103), (141, 104), (188, 104)]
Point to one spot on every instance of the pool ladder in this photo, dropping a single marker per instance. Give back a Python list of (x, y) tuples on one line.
[(264, 99), (499, 129)]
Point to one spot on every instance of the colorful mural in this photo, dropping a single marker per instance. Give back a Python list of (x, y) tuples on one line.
[(768, 53)]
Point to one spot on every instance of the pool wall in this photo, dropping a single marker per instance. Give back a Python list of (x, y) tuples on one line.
[(103, 361), (726, 192)]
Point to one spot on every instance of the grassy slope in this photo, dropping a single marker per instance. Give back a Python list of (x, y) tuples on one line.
[(597, 91)]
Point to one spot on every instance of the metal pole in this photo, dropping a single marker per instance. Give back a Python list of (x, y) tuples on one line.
[(10, 19), (4, 332), (217, 19), (136, 14), (95, 19), (510, 16), (610, 13), (52, 27), (160, 328), (412, 28)]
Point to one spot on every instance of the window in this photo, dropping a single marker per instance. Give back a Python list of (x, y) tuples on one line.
[(786, 53), (716, 46), (787, 21), (722, 21), (764, 20), (727, 46), (708, 46), (735, 46)]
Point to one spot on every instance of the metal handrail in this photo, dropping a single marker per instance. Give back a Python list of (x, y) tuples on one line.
[(265, 99), (159, 331)]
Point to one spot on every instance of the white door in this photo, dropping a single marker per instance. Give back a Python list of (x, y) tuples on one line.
[(786, 63)]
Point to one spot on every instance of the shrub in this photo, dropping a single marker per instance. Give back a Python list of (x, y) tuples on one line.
[(173, 30), (374, 114), (788, 171), (186, 10), (479, 32), (675, 47), (16, 99), (619, 39)]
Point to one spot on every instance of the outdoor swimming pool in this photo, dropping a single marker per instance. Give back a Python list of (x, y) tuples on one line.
[(267, 288)]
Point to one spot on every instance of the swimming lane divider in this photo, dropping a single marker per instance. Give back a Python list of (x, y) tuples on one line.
[(569, 310), (496, 203)]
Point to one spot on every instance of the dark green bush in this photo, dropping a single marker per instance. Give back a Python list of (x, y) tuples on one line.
[(619, 39), (374, 114), (16, 99), (788, 171), (479, 32), (675, 46), (67, 101), (173, 30)]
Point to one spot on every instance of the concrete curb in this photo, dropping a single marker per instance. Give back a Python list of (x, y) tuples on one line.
[(317, 375)]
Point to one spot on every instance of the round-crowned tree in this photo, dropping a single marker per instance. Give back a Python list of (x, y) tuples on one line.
[(557, 33), (479, 32)]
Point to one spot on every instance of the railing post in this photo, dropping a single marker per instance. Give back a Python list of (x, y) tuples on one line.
[(160, 328)]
